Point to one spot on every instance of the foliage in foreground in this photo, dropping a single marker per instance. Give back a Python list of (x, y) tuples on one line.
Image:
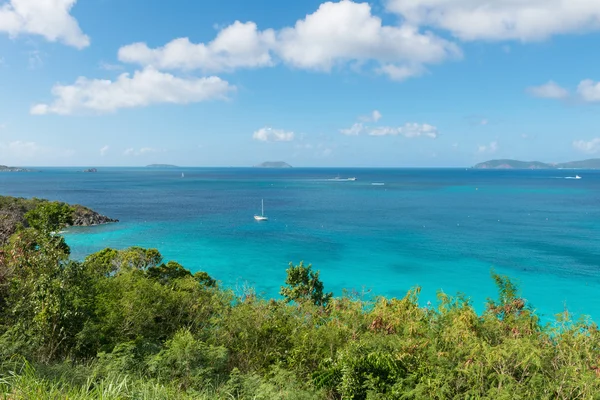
[(124, 324)]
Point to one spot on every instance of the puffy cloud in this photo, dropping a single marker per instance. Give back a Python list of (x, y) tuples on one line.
[(525, 20), (490, 148), (334, 35), (104, 150), (354, 130), (48, 18), (589, 90), (238, 45), (143, 88), (347, 31), (409, 130), (373, 117), (590, 147), (273, 135), (548, 90)]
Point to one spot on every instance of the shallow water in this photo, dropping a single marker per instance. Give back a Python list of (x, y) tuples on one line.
[(440, 229)]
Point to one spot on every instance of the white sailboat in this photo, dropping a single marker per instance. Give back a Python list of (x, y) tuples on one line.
[(261, 217)]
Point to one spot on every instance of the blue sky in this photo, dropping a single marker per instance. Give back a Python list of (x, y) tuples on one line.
[(390, 83)]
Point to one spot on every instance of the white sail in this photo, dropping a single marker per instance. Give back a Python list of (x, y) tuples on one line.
[(261, 217)]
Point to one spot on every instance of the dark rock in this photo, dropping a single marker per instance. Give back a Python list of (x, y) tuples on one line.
[(13, 210)]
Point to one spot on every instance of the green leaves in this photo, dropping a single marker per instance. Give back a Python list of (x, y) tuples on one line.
[(141, 328), (50, 217), (304, 285)]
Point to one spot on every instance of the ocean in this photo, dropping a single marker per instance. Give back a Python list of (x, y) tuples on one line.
[(383, 234)]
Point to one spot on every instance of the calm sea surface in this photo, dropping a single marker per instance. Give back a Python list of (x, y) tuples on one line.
[(439, 229)]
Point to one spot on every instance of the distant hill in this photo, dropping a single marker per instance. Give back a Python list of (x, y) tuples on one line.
[(593, 163), (4, 168), (516, 164), (161, 166), (273, 164)]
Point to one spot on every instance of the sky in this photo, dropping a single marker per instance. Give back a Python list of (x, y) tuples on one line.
[(388, 83)]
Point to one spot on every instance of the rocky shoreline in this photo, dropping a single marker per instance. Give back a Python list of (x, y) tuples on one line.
[(13, 210), (83, 216)]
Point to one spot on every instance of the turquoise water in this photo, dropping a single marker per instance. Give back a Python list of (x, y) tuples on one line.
[(440, 229)]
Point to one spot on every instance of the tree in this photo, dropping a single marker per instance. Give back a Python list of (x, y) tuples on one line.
[(304, 285), (50, 217)]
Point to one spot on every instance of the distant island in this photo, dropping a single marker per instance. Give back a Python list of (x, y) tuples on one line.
[(161, 166), (90, 170), (516, 164), (4, 168), (273, 164)]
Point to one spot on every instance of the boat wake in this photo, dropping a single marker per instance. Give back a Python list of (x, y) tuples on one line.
[(342, 180)]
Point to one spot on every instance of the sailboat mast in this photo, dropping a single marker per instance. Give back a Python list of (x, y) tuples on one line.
[(262, 207)]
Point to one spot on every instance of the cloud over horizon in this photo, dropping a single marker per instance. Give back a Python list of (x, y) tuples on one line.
[(273, 135)]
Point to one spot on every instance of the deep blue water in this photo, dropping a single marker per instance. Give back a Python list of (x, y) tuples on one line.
[(442, 229)]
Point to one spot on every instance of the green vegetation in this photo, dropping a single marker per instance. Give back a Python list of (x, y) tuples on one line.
[(13, 211), (123, 324), (5, 168)]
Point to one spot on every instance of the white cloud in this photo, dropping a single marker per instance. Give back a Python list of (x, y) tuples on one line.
[(402, 72), (48, 18), (20, 150), (549, 90), (373, 117), (409, 130), (347, 31), (145, 87), (490, 148), (590, 147), (524, 20), (144, 150), (273, 135), (334, 35), (376, 116), (236, 46), (589, 90), (354, 130), (104, 150)]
